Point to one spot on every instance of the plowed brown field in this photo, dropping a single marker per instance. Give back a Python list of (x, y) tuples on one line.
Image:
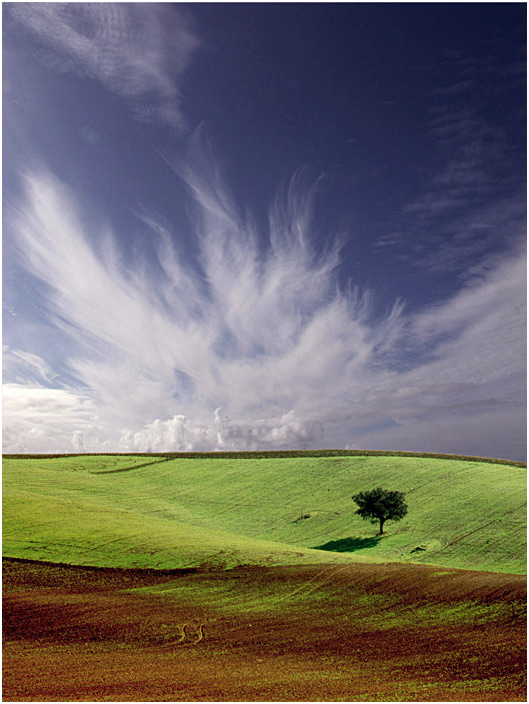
[(312, 633)]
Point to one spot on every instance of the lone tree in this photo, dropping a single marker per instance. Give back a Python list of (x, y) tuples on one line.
[(381, 505)]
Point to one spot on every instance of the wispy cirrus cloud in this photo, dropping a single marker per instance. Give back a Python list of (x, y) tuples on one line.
[(473, 203), (254, 345), (244, 338), (137, 51), (262, 336), (467, 394), (23, 366)]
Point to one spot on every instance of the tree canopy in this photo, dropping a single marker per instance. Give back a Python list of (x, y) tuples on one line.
[(381, 505)]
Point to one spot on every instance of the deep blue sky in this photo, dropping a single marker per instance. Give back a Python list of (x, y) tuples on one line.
[(152, 302)]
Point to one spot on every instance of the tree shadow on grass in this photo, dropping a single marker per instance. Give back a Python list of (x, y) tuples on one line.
[(349, 544)]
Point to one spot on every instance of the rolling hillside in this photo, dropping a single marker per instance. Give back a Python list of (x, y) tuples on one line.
[(152, 511)]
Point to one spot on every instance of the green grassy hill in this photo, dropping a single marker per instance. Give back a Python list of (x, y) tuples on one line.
[(146, 511)]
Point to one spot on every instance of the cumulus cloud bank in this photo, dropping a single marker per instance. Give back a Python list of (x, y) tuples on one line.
[(253, 344)]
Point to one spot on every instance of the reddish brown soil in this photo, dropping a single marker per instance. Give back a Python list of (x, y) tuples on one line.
[(73, 634)]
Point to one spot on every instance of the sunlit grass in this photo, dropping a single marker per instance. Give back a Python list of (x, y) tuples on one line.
[(227, 511)]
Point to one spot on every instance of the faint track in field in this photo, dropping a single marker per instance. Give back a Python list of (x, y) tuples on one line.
[(127, 469), (485, 525)]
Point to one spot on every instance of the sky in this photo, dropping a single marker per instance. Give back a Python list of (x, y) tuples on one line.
[(241, 226)]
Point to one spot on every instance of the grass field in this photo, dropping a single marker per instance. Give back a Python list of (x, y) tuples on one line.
[(314, 606), (147, 511)]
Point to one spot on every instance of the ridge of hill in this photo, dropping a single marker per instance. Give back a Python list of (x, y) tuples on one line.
[(155, 511), (270, 454)]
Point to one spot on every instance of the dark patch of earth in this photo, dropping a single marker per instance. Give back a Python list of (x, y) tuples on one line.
[(76, 634)]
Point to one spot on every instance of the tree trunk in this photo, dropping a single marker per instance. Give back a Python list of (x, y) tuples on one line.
[(382, 521)]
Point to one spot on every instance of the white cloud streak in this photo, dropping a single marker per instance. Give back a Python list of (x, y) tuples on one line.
[(472, 205), (255, 346), (43, 420), (139, 51)]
